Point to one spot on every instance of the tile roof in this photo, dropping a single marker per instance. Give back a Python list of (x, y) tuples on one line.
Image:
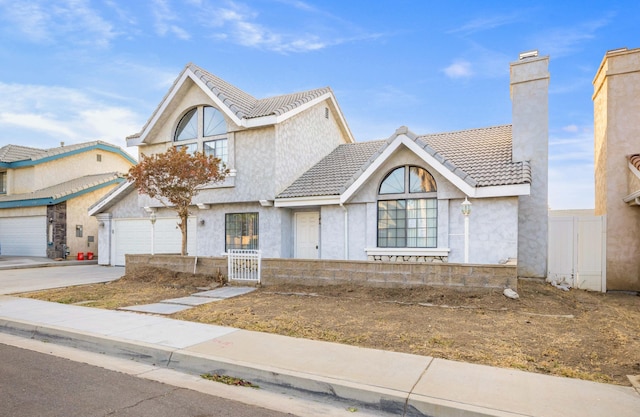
[(481, 157), (335, 171), (15, 153), (12, 153), (65, 189), (246, 106), (240, 103)]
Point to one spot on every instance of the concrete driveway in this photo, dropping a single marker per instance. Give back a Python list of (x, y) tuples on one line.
[(14, 281)]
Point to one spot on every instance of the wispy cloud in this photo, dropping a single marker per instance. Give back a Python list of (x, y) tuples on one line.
[(238, 23), (53, 114), (484, 23), (571, 167), (573, 145), (568, 40), (165, 20), (73, 21), (391, 96), (459, 69)]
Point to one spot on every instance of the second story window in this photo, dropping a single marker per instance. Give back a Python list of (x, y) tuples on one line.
[(203, 129), (3, 182)]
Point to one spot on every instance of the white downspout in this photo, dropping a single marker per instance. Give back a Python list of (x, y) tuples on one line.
[(346, 231)]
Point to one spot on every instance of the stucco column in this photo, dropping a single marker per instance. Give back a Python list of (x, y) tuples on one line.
[(530, 113), (104, 238), (616, 102)]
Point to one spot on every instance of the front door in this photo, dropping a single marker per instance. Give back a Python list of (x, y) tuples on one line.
[(307, 235)]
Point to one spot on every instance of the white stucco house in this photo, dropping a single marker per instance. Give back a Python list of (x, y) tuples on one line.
[(301, 186)]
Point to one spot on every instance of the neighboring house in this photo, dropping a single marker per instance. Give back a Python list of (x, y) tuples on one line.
[(45, 194), (301, 187), (616, 102)]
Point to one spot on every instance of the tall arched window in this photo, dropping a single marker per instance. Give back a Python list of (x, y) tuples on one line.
[(408, 209), (203, 129)]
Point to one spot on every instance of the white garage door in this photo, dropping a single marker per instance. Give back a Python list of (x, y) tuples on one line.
[(132, 236), (23, 236)]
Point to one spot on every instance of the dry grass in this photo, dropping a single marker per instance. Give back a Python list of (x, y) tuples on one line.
[(575, 334)]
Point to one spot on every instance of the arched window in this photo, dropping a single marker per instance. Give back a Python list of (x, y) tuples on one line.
[(408, 209), (203, 129), (188, 126)]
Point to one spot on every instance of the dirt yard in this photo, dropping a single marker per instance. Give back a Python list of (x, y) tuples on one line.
[(575, 334)]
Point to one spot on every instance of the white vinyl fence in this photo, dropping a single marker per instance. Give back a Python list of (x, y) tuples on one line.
[(244, 265), (577, 250)]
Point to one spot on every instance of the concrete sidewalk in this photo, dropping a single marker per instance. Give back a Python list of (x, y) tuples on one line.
[(21, 262), (396, 383)]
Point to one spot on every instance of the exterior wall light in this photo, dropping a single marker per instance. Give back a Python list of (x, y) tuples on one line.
[(466, 211), (152, 218)]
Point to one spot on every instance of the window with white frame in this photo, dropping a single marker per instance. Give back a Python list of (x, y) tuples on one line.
[(3, 182), (241, 231), (408, 209), (204, 129)]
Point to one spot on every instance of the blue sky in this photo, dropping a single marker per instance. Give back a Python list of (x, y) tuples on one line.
[(81, 70)]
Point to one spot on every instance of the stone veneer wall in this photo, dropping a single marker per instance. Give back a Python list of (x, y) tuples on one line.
[(57, 212), (332, 272), (408, 258)]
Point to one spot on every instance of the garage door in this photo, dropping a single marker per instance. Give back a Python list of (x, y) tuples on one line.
[(23, 236), (133, 236)]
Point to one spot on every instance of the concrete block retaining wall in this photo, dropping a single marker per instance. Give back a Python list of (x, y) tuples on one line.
[(332, 272)]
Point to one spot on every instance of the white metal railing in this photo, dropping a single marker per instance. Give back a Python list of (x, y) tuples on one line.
[(243, 265)]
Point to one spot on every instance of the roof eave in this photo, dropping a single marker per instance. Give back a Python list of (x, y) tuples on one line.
[(56, 199), (307, 201), (106, 201)]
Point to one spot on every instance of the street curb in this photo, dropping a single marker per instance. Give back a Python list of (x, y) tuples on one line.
[(51, 264), (111, 346), (395, 402)]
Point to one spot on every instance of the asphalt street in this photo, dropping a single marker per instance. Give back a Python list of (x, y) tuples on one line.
[(34, 384)]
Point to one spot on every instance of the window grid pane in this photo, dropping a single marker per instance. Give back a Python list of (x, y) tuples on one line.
[(217, 148), (407, 223), (241, 231), (3, 182), (421, 181), (188, 126), (394, 183), (213, 122)]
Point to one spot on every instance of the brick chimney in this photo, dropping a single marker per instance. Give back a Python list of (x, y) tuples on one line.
[(530, 118)]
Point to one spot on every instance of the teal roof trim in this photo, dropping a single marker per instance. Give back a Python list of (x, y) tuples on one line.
[(100, 146), (51, 201)]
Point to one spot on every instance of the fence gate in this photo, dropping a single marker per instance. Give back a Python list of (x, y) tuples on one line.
[(244, 265), (577, 251)]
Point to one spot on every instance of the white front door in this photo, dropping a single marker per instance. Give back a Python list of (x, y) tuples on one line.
[(307, 235)]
